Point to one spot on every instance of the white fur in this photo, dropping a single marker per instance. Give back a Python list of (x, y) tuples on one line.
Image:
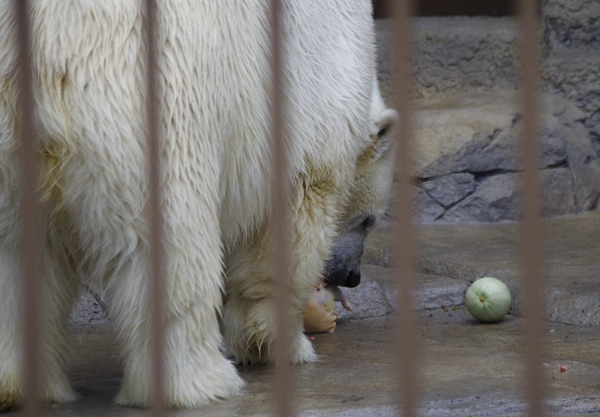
[(372, 186), (369, 195), (214, 80)]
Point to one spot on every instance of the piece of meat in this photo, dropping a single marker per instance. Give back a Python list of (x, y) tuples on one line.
[(339, 296), (320, 315)]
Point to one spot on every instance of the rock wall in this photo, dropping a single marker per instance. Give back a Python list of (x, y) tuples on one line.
[(467, 166), (454, 55), (572, 57)]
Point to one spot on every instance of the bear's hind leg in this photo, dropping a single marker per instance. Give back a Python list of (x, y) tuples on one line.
[(11, 358), (59, 291), (196, 370)]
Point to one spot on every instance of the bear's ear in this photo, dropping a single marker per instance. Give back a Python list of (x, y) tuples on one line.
[(383, 131)]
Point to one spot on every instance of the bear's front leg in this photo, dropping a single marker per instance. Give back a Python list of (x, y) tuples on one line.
[(249, 331), (249, 310)]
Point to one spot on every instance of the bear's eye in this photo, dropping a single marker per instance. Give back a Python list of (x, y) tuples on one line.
[(382, 132), (368, 222)]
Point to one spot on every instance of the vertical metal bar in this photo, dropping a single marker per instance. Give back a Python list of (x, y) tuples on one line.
[(531, 227), (30, 244), (405, 235), (156, 283), (284, 382)]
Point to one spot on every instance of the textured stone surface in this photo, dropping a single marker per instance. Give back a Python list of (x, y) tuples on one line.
[(575, 76), (495, 200), (88, 309), (464, 133), (585, 197), (559, 192), (478, 133), (572, 24), (367, 300), (454, 55), (357, 372), (449, 189), (466, 158), (377, 294), (426, 209)]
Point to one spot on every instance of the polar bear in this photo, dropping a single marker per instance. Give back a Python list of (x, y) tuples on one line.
[(214, 79)]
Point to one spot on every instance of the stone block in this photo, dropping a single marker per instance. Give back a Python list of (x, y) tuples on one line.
[(558, 192), (449, 189), (494, 200), (426, 209)]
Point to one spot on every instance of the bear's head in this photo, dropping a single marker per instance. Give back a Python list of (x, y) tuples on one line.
[(369, 196)]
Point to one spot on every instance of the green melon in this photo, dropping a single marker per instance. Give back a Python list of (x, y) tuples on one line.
[(488, 300)]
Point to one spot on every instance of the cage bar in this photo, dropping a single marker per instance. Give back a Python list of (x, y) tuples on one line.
[(531, 225), (31, 236), (405, 238), (156, 282), (284, 379)]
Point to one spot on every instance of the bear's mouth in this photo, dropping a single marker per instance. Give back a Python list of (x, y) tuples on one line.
[(339, 296)]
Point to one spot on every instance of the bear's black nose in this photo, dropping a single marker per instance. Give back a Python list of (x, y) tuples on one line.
[(353, 278)]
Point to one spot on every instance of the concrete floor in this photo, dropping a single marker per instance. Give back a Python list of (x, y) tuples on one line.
[(466, 368)]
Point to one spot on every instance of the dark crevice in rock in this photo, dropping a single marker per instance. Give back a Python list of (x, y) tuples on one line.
[(516, 119), (560, 164), (491, 137), (476, 174), (433, 198), (594, 205), (578, 207), (596, 142), (479, 177), (448, 208), (492, 173), (440, 216)]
